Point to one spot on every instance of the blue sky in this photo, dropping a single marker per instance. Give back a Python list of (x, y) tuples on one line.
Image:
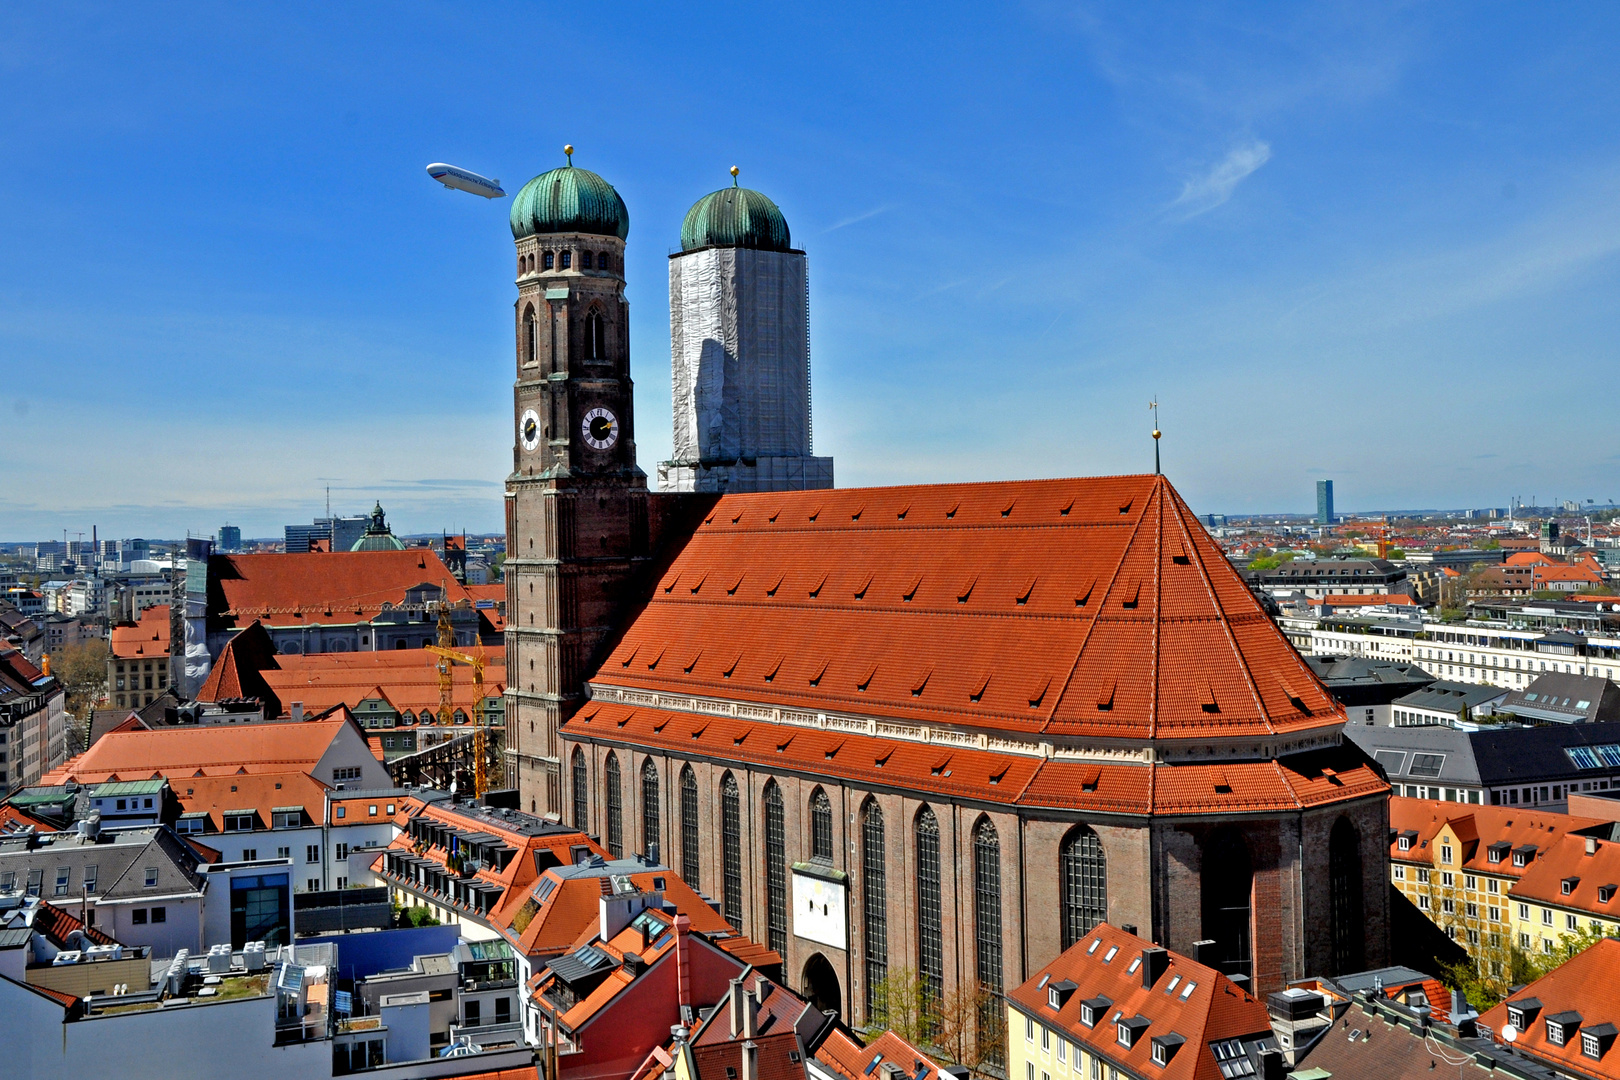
[(1378, 244)]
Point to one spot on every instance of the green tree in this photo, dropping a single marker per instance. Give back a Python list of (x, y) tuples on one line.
[(967, 1026), (82, 671)]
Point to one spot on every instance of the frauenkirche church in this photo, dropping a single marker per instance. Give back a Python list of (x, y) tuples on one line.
[(946, 728)]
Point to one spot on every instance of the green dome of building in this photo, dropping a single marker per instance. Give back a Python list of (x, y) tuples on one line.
[(735, 217), (378, 536), (569, 200)]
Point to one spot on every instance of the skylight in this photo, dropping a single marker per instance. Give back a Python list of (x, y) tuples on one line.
[(1186, 991), (1113, 951)]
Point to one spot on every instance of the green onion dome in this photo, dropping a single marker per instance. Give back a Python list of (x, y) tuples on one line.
[(735, 217), (569, 200)]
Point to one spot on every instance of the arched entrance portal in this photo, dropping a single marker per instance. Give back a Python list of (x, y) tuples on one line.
[(820, 985)]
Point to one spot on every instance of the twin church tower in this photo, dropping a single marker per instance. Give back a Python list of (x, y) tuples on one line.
[(581, 524)]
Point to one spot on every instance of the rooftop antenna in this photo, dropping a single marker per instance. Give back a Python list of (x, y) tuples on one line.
[(328, 500), (1154, 405)]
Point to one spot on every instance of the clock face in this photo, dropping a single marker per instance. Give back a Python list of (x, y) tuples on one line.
[(600, 428), (529, 429)]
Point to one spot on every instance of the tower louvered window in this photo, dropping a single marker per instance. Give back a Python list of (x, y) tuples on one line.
[(650, 807), (821, 826), (1344, 892), (930, 928), (775, 870), (689, 827), (1084, 874), (582, 804), (615, 807), (874, 904), (731, 851), (530, 338), (595, 337), (987, 934)]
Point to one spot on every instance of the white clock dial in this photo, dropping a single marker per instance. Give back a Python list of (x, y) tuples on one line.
[(600, 428), (529, 429)]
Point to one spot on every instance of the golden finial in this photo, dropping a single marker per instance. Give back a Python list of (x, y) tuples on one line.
[(1154, 405), (569, 150), (734, 172)]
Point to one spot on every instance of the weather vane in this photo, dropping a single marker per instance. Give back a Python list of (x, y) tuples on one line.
[(1154, 405)]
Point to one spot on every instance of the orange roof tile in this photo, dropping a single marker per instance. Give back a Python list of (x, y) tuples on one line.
[(405, 678), (213, 749), (1079, 607), (1213, 1009), (260, 792), (1583, 985), (1566, 860), (938, 769), (145, 639), (1477, 828), (319, 587)]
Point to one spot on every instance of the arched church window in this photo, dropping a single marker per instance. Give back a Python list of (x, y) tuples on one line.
[(775, 869), (1226, 877), (1083, 873), (1344, 892), (595, 337), (689, 827), (649, 806), (546, 260), (585, 260), (930, 921), (874, 902), (821, 826), (615, 806), (530, 333), (582, 813), (567, 259), (987, 937), (731, 851)]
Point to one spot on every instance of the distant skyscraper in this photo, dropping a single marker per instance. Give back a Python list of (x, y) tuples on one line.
[(1324, 502), (230, 538)]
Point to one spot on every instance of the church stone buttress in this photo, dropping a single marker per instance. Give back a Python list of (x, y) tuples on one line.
[(576, 502)]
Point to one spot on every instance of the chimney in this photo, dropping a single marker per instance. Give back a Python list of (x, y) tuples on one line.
[(297, 711), (735, 1004), (750, 1014), (750, 1064), (1591, 845), (1205, 952), (683, 962), (1272, 1066), (1154, 962)]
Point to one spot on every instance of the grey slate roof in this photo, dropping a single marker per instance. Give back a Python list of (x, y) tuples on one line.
[(1491, 757), (1354, 680), (1451, 697), (1399, 749), (1560, 698)]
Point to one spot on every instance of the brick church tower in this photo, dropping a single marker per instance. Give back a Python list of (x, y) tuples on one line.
[(576, 503)]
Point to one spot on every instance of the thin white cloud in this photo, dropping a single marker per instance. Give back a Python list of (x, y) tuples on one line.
[(859, 218), (1205, 192)]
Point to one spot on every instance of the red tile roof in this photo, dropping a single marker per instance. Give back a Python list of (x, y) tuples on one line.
[(12, 818), (1585, 985), (260, 792), (1477, 828), (942, 769), (145, 639), (405, 678), (850, 1059), (1079, 607), (56, 924), (216, 750), (1215, 1009), (238, 673), (316, 588), (1566, 860), (1373, 600)]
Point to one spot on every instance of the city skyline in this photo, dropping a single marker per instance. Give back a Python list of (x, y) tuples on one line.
[(1019, 228)]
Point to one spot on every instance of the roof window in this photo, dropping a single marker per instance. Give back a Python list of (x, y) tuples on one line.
[(1165, 1047), (1092, 1009), (1568, 884), (1232, 1059), (1093, 947), (1113, 951), (1186, 991)]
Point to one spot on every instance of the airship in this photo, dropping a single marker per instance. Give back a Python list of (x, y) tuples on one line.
[(462, 180)]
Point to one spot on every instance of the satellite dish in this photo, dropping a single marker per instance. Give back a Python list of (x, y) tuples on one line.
[(1510, 1033)]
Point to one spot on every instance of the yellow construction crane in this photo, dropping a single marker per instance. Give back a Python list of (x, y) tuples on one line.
[(449, 656)]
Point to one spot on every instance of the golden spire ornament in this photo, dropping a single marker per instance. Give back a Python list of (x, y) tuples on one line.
[(1154, 405), (734, 172), (569, 152)]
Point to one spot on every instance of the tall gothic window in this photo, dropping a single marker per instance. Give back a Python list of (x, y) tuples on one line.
[(987, 934), (874, 902), (1226, 879), (821, 826), (595, 337), (615, 806), (731, 851), (775, 870), (689, 827), (650, 807), (582, 802), (1344, 891), (930, 922), (531, 341), (1083, 870)]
